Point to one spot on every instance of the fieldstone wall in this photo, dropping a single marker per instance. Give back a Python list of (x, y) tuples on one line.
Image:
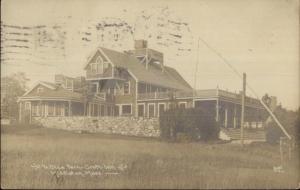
[(131, 126)]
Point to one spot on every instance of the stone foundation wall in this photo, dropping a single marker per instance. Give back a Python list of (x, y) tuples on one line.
[(131, 126)]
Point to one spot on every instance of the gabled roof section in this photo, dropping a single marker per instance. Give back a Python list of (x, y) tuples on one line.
[(94, 53), (54, 91), (153, 75), (43, 83)]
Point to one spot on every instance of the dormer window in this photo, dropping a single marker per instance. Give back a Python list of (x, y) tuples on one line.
[(40, 90)]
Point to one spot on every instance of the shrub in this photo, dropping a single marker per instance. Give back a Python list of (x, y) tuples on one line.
[(191, 123)]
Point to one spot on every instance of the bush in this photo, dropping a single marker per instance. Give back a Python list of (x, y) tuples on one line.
[(191, 123)]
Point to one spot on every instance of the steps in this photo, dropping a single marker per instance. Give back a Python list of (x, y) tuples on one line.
[(249, 134)]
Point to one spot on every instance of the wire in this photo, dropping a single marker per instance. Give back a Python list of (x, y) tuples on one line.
[(228, 64)]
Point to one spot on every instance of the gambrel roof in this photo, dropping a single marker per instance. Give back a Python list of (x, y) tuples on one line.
[(170, 78)]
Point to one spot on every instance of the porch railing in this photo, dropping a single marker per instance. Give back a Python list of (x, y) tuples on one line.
[(178, 94)]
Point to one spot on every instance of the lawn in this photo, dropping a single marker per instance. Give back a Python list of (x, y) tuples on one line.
[(34, 157)]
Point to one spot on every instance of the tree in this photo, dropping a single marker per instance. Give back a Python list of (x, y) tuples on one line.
[(12, 87)]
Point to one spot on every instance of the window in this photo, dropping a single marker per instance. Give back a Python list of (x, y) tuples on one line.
[(51, 109), (94, 68), (41, 109), (151, 110), (69, 83), (126, 109), (102, 110), (182, 105), (96, 110), (27, 106), (59, 109), (94, 87), (34, 109), (40, 89), (127, 87), (100, 65), (105, 66)]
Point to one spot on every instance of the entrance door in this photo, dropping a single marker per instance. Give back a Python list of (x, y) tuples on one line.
[(141, 109)]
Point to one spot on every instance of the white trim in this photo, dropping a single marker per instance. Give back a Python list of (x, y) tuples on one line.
[(154, 109), (144, 104), (165, 107)]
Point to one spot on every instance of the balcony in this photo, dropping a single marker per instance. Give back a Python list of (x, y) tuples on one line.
[(102, 95), (153, 95), (109, 73)]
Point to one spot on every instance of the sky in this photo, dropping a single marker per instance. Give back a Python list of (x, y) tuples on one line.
[(260, 38)]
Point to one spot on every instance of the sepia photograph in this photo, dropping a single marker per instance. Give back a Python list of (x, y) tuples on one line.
[(150, 94)]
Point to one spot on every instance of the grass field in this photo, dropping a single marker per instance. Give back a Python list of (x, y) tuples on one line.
[(146, 163)]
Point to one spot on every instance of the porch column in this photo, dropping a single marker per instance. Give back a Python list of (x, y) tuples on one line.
[(46, 109), (217, 109), (89, 109), (20, 111), (234, 116), (54, 112), (226, 116), (70, 110), (30, 113)]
